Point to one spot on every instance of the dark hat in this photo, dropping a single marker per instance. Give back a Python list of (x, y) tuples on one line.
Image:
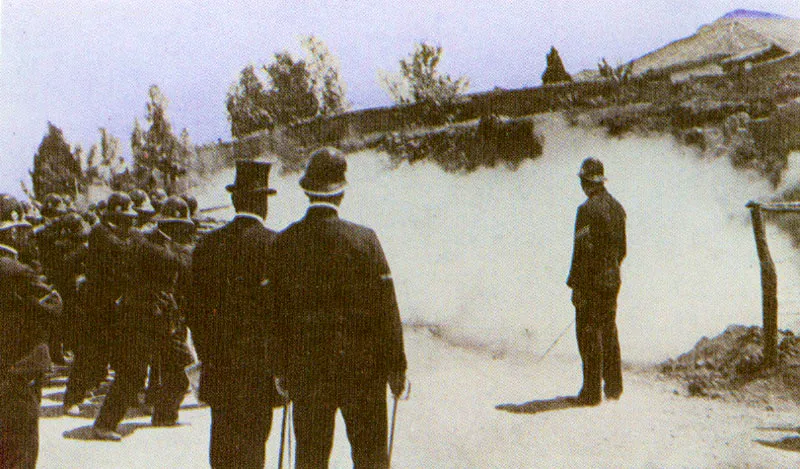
[(251, 177), (174, 209), (54, 206), (592, 170), (325, 173), (11, 213), (120, 204), (141, 202)]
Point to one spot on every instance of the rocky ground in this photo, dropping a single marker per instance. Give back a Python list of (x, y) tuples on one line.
[(452, 421)]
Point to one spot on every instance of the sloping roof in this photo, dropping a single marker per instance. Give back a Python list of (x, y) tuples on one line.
[(725, 37)]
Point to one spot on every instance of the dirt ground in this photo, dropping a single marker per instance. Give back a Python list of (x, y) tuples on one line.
[(452, 421)]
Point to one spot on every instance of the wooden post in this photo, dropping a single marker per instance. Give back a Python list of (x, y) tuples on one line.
[(769, 287)]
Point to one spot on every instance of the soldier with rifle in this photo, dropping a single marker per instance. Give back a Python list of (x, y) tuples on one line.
[(149, 322), (27, 309), (230, 317), (106, 278)]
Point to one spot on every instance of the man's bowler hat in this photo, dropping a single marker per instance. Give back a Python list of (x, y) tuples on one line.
[(251, 177), (592, 170), (325, 173)]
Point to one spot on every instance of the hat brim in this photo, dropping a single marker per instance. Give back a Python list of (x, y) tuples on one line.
[(597, 178), (325, 190), (127, 213), (183, 221), (7, 225), (247, 190)]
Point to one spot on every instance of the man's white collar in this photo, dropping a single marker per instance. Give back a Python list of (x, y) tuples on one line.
[(324, 204)]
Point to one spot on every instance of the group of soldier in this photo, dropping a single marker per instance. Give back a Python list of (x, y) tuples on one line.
[(112, 276)]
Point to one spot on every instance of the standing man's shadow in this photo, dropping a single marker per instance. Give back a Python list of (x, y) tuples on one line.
[(544, 405)]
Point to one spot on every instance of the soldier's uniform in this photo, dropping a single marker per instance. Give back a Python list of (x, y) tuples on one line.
[(338, 338), (106, 277), (149, 318), (599, 248), (27, 308), (229, 316)]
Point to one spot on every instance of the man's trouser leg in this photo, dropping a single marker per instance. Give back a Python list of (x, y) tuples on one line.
[(314, 420), (364, 412), (612, 362), (239, 432), (590, 348), (170, 391), (19, 427), (128, 380)]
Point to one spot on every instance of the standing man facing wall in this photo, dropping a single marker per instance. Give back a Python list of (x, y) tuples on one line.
[(229, 315), (339, 338), (594, 277)]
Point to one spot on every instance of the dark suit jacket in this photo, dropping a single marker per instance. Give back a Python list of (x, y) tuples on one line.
[(599, 246), (338, 320), (229, 312)]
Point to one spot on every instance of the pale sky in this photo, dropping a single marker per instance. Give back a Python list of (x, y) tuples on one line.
[(89, 64)]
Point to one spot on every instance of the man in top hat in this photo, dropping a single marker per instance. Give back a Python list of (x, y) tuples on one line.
[(27, 309), (339, 339), (229, 316), (594, 277)]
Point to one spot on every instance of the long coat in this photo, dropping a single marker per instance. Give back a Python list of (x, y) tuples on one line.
[(599, 246), (229, 312), (338, 320)]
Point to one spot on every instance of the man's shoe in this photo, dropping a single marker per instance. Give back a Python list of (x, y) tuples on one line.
[(585, 400), (158, 421), (105, 435), (72, 411)]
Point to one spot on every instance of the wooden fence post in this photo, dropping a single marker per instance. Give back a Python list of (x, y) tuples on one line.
[(769, 287)]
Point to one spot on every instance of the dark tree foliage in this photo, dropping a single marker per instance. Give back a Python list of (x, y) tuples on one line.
[(55, 167), (247, 105), (555, 71), (291, 97), (157, 151)]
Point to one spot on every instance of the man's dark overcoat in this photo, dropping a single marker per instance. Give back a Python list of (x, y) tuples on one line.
[(338, 317), (229, 312)]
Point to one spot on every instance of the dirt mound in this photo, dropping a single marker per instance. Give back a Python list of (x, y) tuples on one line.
[(730, 365)]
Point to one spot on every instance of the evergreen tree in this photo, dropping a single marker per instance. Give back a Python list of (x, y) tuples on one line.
[(247, 105), (156, 151), (55, 167), (555, 71), (421, 81), (291, 97), (323, 69)]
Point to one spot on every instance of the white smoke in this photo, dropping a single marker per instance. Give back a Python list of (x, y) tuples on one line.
[(484, 256)]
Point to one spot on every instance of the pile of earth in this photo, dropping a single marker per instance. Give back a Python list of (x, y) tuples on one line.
[(730, 366)]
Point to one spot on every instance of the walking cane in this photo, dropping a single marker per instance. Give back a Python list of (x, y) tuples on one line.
[(283, 434), (391, 433), (394, 419)]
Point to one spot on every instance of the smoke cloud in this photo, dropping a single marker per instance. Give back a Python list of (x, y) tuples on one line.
[(483, 258)]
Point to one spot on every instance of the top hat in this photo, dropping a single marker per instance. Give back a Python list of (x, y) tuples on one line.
[(592, 170), (325, 173), (251, 177)]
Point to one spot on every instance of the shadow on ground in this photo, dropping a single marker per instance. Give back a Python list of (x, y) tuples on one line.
[(791, 443), (85, 433), (543, 405)]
